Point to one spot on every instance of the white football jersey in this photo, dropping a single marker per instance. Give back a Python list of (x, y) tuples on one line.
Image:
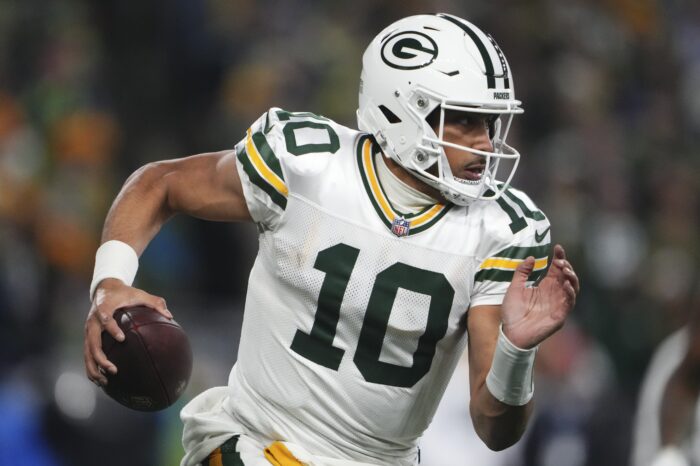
[(356, 314)]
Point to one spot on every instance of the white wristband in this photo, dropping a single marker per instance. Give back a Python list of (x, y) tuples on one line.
[(114, 259), (510, 379)]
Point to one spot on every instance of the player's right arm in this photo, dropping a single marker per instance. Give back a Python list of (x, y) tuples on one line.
[(205, 186)]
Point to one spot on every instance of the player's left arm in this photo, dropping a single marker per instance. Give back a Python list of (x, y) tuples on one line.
[(528, 316), (497, 424)]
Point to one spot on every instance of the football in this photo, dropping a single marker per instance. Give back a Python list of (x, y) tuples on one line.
[(154, 362)]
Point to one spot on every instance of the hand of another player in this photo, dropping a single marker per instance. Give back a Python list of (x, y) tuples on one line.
[(530, 315), (111, 294)]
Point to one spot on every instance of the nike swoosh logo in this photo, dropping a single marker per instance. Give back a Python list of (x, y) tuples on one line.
[(540, 236)]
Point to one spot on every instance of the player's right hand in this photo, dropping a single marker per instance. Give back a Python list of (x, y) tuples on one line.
[(110, 295)]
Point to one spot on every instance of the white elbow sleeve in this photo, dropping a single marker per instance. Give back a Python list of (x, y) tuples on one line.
[(510, 379), (114, 259)]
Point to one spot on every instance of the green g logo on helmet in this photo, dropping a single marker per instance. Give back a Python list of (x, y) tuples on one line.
[(409, 50)]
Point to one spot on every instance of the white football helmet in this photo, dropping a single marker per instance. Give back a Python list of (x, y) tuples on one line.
[(423, 62)]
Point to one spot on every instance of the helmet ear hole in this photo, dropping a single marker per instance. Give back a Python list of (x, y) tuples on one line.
[(389, 115)]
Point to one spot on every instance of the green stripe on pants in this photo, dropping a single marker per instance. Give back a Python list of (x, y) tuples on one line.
[(225, 455)]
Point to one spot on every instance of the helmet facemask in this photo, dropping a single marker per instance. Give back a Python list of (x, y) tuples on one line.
[(429, 161)]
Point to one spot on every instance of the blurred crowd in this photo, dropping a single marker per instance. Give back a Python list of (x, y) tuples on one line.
[(91, 90)]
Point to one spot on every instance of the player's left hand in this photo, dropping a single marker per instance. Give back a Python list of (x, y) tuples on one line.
[(530, 315)]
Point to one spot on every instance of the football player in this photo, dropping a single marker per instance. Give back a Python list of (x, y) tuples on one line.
[(383, 253)]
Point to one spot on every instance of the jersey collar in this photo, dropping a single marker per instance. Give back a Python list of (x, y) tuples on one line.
[(401, 224)]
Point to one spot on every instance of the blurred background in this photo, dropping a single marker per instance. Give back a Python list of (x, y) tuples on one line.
[(91, 90)]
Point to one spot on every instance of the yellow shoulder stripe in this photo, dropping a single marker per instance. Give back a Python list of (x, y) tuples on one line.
[(262, 168), (510, 264)]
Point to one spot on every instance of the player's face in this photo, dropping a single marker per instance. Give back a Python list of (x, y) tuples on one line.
[(470, 130), (466, 129)]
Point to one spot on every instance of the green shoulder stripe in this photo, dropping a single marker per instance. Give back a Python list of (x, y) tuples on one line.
[(518, 252), (267, 154), (494, 275), (259, 181), (498, 275)]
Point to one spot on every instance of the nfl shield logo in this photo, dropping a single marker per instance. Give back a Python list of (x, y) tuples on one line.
[(400, 226)]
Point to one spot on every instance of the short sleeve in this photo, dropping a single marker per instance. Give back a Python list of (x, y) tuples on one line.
[(496, 268), (261, 171)]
